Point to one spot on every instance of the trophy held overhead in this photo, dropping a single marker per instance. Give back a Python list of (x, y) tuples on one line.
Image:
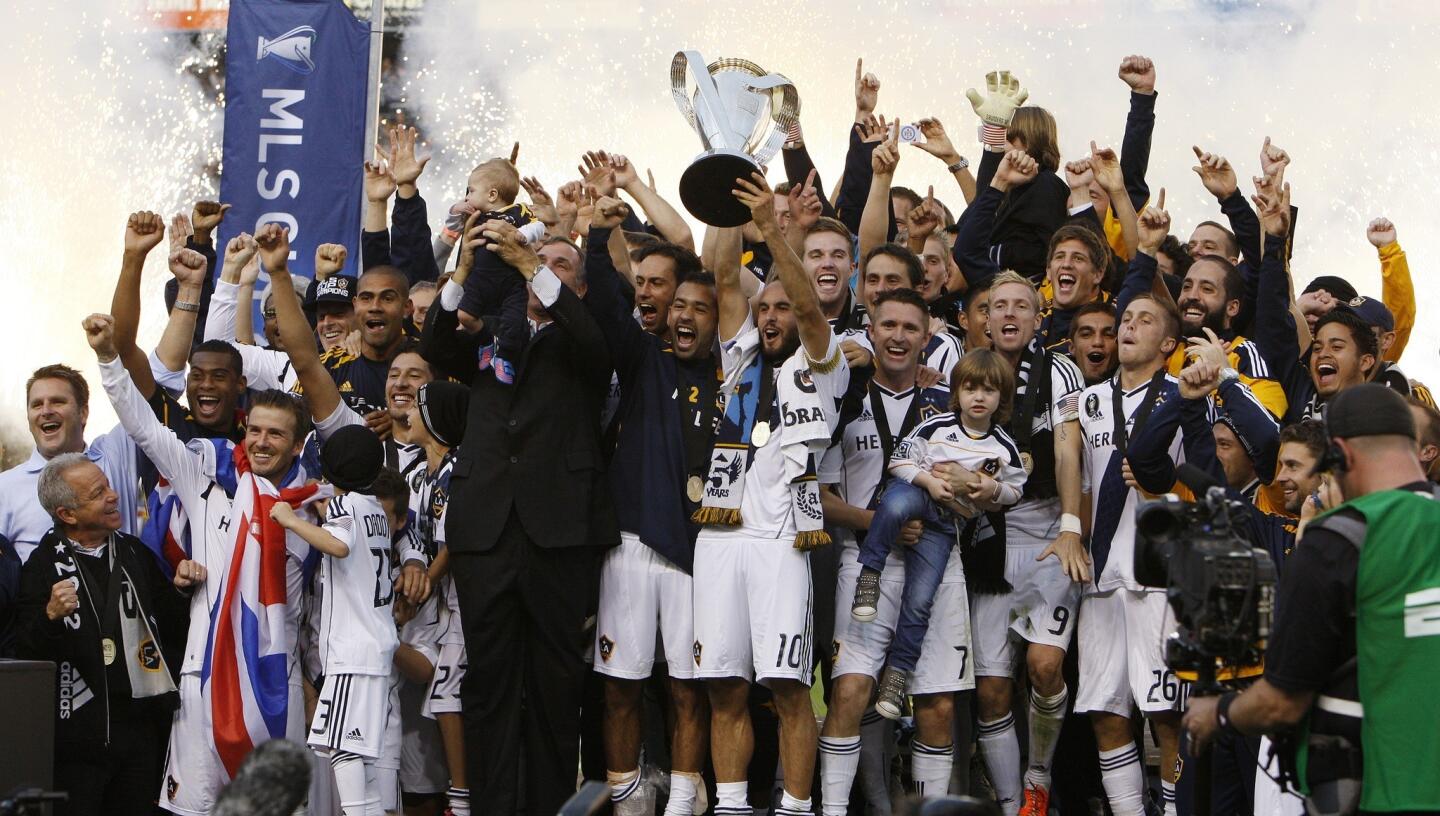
[(742, 115)]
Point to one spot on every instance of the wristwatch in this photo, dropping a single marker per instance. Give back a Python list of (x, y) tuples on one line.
[(1228, 374), (959, 165)]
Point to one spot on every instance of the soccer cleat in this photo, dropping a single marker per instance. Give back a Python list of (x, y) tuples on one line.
[(1037, 801), (867, 597), (890, 700)]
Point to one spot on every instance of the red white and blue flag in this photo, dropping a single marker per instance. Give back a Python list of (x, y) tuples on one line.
[(246, 671)]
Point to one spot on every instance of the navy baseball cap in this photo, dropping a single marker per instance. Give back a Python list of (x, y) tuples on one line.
[(1372, 311)]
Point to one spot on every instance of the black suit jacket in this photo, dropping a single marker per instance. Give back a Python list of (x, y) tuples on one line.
[(533, 445)]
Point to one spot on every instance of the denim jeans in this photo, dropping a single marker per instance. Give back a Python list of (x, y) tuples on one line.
[(924, 562)]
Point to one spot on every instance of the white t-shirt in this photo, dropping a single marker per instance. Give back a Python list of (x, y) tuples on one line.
[(357, 630), (1098, 426), (766, 507)]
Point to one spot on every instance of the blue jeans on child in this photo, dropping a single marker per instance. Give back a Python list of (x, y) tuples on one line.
[(924, 562)]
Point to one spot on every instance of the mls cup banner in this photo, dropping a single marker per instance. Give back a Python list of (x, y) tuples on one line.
[(295, 88)]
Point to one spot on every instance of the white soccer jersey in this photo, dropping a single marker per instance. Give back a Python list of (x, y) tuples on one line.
[(430, 498), (191, 470), (944, 439), (1114, 554), (357, 631), (766, 507), (1032, 520)]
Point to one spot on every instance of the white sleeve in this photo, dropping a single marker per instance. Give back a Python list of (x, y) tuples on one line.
[(220, 322), (339, 522), (342, 416), (1066, 384), (407, 549), (183, 467), (832, 372), (450, 295), (1012, 483), (546, 286), (909, 458), (172, 381), (532, 232), (264, 368)]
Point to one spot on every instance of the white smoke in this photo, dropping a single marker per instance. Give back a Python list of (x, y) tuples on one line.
[(105, 120)]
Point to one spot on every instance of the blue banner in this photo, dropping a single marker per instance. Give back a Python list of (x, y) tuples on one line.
[(295, 90)]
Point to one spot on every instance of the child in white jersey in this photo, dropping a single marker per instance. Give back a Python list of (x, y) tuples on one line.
[(969, 436), (357, 631)]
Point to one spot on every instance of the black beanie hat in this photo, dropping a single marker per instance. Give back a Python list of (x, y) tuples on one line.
[(1368, 409), (1338, 287), (352, 457), (443, 406)]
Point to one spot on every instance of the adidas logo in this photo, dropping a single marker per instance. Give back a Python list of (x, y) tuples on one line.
[(354, 734)]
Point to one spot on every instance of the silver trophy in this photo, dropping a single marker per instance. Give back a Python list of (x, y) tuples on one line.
[(742, 115)]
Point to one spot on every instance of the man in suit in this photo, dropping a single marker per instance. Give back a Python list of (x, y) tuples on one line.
[(528, 522)]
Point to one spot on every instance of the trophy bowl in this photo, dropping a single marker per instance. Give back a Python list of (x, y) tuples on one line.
[(742, 115)]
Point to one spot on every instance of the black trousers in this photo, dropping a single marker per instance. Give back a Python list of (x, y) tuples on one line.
[(123, 777), (523, 608)]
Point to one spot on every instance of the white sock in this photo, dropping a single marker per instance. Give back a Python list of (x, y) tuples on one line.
[(459, 800), (1000, 748), (930, 768), (877, 742), (731, 799), (1047, 714), (790, 806), (1167, 793), (373, 806), (350, 782), (839, 758), (1124, 780), (623, 787), (683, 787)]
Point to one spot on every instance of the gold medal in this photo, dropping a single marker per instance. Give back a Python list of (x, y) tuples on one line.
[(107, 650), (695, 489), (1028, 462), (760, 434)]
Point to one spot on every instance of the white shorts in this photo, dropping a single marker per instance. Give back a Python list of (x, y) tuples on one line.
[(1040, 608), (444, 696), (422, 632), (641, 594), (193, 774), (1122, 653), (422, 754), (861, 648), (350, 714), (753, 607)]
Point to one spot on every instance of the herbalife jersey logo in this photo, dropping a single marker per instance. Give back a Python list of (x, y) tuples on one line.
[(291, 49), (1422, 613), (74, 692)]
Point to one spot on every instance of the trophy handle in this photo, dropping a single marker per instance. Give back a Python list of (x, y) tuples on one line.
[(784, 110), (709, 96)]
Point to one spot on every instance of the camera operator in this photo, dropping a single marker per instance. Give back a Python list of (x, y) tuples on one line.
[(1355, 653)]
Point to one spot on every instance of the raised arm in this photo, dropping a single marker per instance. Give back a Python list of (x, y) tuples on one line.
[(188, 267), (1139, 73), (799, 165), (375, 228), (733, 302), (1396, 289), (410, 239), (1108, 174), (321, 394), (814, 329), (143, 231), (937, 143), (660, 213), (972, 244), (169, 455), (864, 137), (875, 220), (1152, 227)]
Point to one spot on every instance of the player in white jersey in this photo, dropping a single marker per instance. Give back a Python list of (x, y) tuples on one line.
[(852, 470), (1123, 624), (357, 630), (1029, 611), (784, 376), (201, 472)]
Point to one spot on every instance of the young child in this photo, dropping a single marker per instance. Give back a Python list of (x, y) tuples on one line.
[(357, 633), (494, 288), (969, 436)]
